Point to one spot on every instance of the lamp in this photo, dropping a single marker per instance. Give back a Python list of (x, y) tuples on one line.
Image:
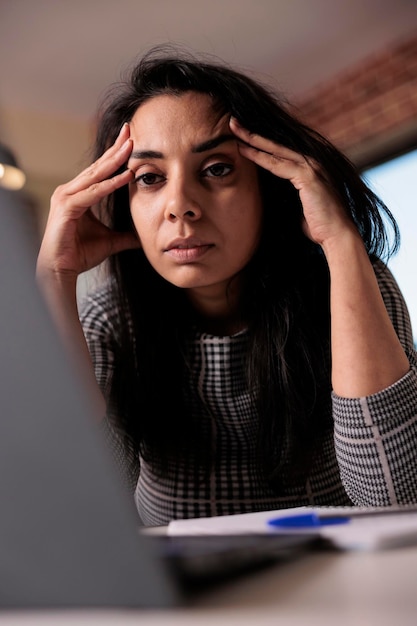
[(11, 176)]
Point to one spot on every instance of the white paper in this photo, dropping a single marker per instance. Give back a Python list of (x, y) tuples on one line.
[(367, 528)]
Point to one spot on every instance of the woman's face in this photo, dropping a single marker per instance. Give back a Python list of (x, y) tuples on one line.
[(195, 200)]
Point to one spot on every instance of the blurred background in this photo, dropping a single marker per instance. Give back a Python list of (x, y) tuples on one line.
[(349, 66)]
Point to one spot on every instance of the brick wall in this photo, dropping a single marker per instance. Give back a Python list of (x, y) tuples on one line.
[(369, 110)]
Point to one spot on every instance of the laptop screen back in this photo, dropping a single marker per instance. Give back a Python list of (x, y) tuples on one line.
[(68, 533)]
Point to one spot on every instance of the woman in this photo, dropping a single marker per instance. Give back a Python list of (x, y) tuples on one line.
[(250, 347)]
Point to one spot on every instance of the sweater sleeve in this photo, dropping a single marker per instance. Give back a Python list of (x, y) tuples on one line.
[(99, 322), (376, 436)]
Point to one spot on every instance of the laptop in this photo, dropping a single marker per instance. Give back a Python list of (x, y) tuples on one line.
[(69, 534)]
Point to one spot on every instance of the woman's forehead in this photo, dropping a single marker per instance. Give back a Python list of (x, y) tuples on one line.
[(191, 106), (188, 118)]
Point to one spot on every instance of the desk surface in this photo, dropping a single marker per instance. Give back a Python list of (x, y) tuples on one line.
[(323, 589)]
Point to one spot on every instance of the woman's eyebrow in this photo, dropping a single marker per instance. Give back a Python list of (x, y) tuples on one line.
[(201, 147), (213, 143), (146, 154)]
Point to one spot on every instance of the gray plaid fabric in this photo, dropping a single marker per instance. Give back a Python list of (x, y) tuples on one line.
[(369, 459)]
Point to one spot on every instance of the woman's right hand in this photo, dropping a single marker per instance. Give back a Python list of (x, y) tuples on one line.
[(75, 240)]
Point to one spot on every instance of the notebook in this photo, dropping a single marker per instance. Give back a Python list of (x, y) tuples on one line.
[(342, 527), (69, 533)]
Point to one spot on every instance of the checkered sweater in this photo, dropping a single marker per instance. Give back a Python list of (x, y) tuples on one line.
[(369, 458)]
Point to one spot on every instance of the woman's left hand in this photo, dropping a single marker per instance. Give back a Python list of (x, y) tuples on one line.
[(324, 216), (362, 334)]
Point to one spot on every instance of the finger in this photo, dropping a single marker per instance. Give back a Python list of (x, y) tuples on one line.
[(279, 160), (78, 203), (122, 137), (103, 168), (124, 134), (93, 171), (264, 145), (278, 165)]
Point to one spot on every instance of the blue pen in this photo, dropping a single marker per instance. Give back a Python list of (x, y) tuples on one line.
[(306, 520)]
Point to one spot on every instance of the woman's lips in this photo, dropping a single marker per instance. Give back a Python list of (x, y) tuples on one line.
[(185, 253)]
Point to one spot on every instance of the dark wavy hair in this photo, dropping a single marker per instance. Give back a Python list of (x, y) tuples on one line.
[(286, 298)]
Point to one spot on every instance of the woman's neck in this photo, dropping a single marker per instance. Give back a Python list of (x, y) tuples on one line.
[(218, 308), (220, 327)]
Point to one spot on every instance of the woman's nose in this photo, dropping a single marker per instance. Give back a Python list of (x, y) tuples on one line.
[(182, 203)]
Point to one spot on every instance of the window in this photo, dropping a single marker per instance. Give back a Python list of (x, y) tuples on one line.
[(395, 183)]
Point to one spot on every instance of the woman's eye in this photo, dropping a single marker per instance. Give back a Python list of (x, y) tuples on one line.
[(148, 179), (218, 170)]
